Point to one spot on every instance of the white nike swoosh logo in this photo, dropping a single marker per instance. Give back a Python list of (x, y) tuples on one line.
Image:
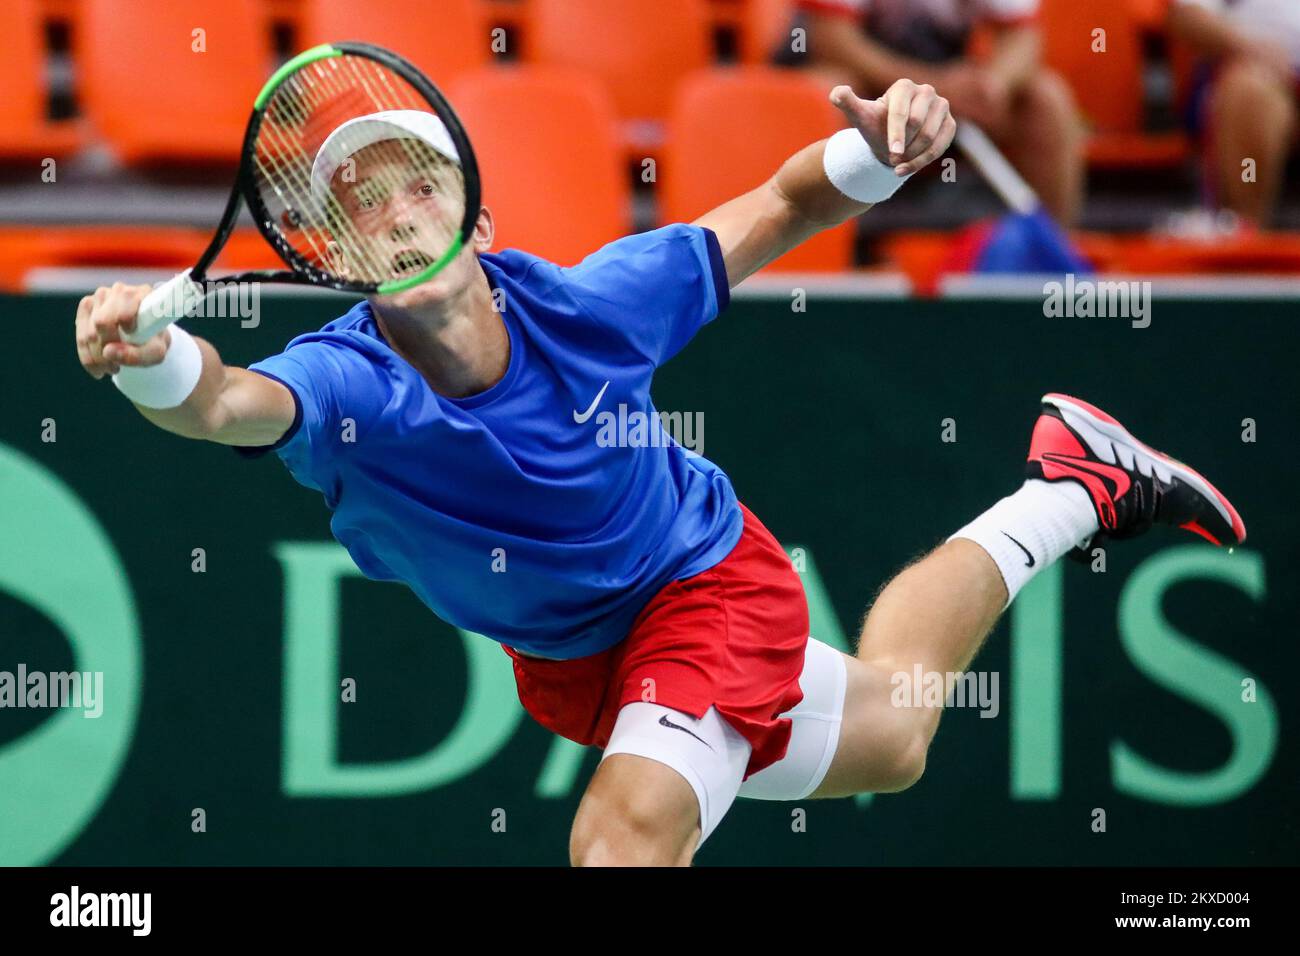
[(579, 418)]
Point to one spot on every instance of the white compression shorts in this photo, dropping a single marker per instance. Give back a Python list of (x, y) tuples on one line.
[(712, 756)]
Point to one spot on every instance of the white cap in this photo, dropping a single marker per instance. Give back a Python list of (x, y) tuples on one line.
[(362, 131)]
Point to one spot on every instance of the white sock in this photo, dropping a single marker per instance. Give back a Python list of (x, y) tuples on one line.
[(1025, 532)]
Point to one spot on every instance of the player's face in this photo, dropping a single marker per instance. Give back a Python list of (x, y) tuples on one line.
[(453, 280), (402, 208), (446, 286)]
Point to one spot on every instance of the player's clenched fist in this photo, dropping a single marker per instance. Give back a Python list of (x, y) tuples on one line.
[(908, 128), (101, 319)]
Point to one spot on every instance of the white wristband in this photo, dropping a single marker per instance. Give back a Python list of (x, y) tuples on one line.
[(854, 170), (168, 383)]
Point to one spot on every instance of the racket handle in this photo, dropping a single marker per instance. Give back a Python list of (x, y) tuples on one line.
[(163, 306)]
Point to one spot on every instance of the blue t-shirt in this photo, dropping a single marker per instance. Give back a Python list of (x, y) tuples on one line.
[(509, 512)]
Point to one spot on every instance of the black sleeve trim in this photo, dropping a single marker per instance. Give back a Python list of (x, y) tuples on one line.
[(257, 451), (721, 287)]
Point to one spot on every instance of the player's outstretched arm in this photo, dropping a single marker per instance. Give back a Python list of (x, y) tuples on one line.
[(903, 131), (231, 406)]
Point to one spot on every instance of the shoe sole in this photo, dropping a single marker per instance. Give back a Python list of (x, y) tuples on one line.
[(1112, 430)]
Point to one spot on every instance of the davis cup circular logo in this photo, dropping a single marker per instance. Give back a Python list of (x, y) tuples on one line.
[(58, 559)]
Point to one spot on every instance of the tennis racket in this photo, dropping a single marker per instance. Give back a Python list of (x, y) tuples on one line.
[(355, 169)]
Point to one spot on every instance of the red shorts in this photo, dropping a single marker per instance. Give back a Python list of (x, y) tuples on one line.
[(732, 637)]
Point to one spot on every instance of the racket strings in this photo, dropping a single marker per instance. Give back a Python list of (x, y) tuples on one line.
[(289, 175), (281, 169), (401, 154), (291, 171), (328, 222), (309, 106), (410, 153), (444, 172)]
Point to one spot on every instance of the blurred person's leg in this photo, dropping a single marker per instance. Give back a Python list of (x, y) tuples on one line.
[(829, 75), (1044, 139), (1252, 116)]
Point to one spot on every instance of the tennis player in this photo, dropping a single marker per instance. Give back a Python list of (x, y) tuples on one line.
[(451, 429)]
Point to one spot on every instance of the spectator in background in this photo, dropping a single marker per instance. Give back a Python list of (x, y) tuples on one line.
[(1025, 108), (1246, 100)]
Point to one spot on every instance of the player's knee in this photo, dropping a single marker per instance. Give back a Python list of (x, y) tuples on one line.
[(628, 831), (899, 760), (609, 848), (906, 762), (887, 761)]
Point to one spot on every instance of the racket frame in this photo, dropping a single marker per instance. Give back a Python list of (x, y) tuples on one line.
[(175, 298)]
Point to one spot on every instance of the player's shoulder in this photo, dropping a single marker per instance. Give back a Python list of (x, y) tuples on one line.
[(347, 351), (680, 256), (354, 331), (358, 320), (631, 265), (659, 272), (673, 235), (525, 267)]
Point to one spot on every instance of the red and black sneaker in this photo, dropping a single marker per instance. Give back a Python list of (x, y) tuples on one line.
[(1132, 485)]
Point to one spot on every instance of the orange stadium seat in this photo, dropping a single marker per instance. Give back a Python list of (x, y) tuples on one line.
[(23, 248), (445, 41), (165, 248), (774, 113), (64, 10), (284, 11), (1150, 14), (152, 95), (756, 24), (547, 145), (762, 24), (1108, 85), (925, 256), (507, 13), (27, 131), (639, 48), (1250, 252)]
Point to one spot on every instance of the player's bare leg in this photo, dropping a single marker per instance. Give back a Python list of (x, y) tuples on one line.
[(1087, 475), (935, 613), (635, 812)]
